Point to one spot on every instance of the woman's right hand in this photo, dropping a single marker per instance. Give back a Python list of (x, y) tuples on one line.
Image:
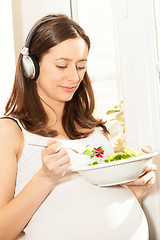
[(55, 161)]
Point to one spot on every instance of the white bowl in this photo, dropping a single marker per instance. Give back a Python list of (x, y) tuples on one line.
[(117, 172)]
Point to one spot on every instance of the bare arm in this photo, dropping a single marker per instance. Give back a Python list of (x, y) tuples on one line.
[(16, 212)]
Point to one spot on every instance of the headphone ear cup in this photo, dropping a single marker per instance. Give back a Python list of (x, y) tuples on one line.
[(30, 67), (36, 67)]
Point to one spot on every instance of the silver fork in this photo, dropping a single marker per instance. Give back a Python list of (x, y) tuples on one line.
[(39, 145)]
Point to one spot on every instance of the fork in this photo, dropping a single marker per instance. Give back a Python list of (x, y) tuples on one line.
[(39, 145)]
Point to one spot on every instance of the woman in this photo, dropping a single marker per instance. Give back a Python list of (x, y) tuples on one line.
[(52, 104)]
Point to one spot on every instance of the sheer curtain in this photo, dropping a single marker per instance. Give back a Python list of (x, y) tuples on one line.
[(137, 37)]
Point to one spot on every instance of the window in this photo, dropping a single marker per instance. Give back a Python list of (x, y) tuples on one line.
[(138, 40), (97, 20)]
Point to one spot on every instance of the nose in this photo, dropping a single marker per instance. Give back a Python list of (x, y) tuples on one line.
[(73, 74)]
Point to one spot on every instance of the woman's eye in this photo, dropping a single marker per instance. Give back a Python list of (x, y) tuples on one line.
[(80, 68), (61, 67)]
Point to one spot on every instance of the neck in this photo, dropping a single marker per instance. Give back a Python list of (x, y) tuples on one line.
[(54, 114)]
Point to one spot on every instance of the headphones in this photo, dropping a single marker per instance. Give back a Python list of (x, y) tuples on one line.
[(29, 63)]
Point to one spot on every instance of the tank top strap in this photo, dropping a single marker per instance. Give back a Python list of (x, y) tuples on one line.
[(14, 119)]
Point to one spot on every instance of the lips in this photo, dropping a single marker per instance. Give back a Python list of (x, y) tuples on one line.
[(68, 89)]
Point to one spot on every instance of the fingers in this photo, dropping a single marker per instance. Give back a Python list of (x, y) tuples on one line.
[(146, 179), (147, 149), (62, 161), (62, 169), (151, 181), (141, 185), (143, 180), (149, 173), (52, 147), (150, 167), (55, 159), (51, 141)]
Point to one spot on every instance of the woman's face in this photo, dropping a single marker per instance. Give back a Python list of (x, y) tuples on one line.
[(62, 69)]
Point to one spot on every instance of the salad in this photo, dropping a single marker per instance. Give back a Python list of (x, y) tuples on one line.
[(98, 153)]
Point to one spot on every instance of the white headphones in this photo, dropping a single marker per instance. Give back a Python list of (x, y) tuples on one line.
[(29, 63)]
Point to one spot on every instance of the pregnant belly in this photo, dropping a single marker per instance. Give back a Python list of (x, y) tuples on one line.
[(77, 210)]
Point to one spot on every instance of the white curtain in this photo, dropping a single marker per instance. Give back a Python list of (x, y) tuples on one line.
[(141, 89)]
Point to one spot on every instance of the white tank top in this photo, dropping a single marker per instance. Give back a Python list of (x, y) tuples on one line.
[(76, 209)]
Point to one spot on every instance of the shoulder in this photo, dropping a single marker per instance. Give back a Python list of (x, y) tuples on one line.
[(10, 126), (10, 134)]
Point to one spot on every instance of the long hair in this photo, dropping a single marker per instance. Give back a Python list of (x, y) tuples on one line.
[(24, 102)]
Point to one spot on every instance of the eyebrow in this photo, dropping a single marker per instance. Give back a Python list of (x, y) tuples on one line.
[(68, 59)]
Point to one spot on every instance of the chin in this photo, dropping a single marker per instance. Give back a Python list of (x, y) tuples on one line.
[(67, 99)]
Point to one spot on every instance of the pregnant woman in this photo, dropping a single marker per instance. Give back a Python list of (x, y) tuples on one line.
[(52, 104)]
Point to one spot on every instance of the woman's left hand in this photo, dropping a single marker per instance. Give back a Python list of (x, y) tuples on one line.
[(140, 186)]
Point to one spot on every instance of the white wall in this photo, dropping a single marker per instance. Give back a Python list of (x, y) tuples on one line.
[(7, 53), (20, 15), (27, 12)]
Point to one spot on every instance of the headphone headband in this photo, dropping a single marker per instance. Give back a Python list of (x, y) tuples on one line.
[(35, 28), (25, 50)]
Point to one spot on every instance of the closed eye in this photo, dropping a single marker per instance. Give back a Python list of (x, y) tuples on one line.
[(61, 67), (66, 66), (80, 68)]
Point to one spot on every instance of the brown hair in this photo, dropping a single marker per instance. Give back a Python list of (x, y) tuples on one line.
[(24, 102)]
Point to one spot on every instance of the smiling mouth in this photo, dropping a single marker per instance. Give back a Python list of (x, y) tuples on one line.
[(68, 89)]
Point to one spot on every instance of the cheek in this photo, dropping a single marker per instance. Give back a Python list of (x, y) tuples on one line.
[(50, 75)]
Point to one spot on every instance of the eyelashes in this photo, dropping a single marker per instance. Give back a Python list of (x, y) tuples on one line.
[(61, 67), (66, 66)]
